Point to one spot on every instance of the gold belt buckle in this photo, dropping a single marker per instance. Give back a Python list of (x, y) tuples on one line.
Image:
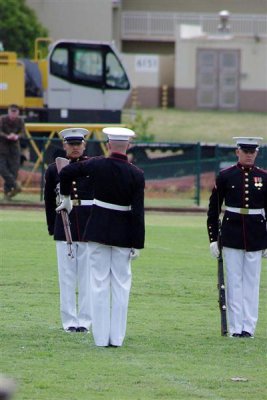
[(76, 202), (244, 211)]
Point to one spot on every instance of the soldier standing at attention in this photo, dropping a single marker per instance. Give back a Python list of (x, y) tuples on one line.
[(243, 190), (115, 232), (11, 130), (73, 272)]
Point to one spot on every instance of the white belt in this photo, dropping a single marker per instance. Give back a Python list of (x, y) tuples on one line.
[(86, 202), (78, 202), (111, 206), (99, 203), (251, 211)]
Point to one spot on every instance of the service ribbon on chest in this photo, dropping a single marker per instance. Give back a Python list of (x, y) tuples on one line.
[(257, 181)]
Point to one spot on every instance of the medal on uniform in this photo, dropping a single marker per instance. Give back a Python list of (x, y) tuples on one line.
[(257, 181)]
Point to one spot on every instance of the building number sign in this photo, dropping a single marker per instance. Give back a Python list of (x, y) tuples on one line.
[(146, 63)]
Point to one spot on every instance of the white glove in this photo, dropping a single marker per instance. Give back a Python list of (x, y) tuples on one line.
[(134, 253), (59, 197), (214, 249), (264, 253), (66, 204)]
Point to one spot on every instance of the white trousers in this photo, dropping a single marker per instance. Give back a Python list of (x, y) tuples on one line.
[(242, 291), (74, 274), (110, 289)]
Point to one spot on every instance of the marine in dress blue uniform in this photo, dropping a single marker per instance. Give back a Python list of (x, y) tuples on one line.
[(115, 232), (73, 272), (242, 188)]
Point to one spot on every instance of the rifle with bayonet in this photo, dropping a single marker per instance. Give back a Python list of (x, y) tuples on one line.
[(61, 163), (221, 285)]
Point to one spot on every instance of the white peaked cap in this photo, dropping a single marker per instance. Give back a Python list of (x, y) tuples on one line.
[(117, 133), (245, 141), (73, 134)]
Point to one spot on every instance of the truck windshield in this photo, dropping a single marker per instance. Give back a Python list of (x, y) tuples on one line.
[(89, 65)]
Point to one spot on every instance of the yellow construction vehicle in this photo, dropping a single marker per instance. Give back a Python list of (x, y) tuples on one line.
[(76, 81)]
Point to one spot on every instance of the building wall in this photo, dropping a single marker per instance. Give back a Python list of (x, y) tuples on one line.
[(101, 20), (75, 19), (213, 6), (148, 74), (134, 46), (253, 61), (116, 27), (253, 67)]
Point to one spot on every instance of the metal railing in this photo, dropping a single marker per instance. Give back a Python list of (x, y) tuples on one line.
[(192, 160), (162, 26)]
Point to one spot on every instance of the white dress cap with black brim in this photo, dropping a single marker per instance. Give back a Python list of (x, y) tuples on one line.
[(118, 133), (245, 142), (73, 135)]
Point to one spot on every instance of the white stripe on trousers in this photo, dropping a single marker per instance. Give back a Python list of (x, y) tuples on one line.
[(243, 282), (110, 289), (74, 274)]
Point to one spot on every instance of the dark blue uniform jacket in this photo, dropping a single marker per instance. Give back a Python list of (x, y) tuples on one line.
[(79, 216), (115, 181), (245, 188)]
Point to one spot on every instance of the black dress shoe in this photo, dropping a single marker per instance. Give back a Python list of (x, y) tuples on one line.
[(247, 335), (236, 335), (82, 329), (71, 329)]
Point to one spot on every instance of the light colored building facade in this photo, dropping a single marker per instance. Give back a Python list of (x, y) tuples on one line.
[(75, 19), (221, 71), (145, 32)]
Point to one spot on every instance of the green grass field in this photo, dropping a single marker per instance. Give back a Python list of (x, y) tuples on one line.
[(174, 125), (173, 348)]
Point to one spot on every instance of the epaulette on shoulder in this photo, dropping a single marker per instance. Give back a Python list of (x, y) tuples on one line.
[(137, 168), (261, 170), (227, 169), (97, 157), (86, 158)]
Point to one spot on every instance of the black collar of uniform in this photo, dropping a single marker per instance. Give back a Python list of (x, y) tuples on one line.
[(245, 168), (81, 158), (119, 156)]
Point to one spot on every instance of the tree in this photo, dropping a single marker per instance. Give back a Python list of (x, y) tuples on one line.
[(19, 27)]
